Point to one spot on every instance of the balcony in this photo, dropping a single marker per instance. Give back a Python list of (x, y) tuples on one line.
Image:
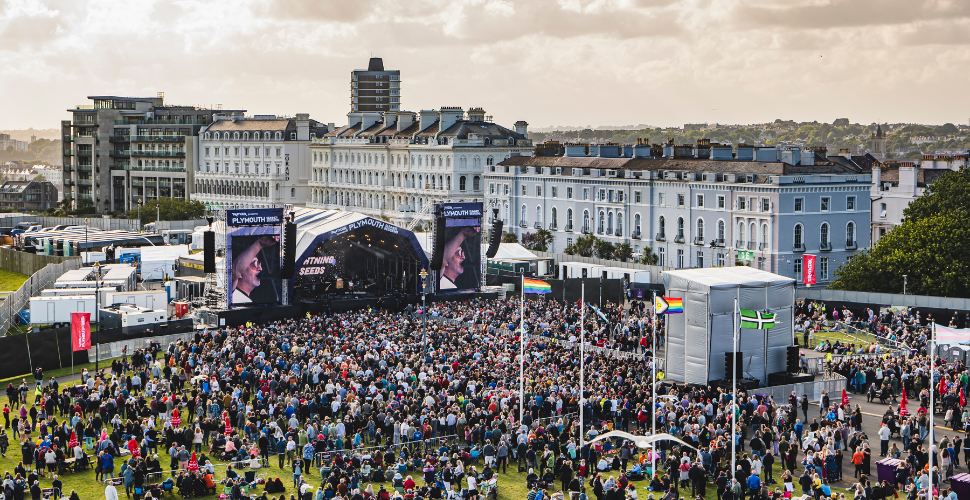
[(661, 237), (619, 233), (762, 246), (851, 245), (157, 138), (119, 138), (585, 230), (552, 227), (699, 241), (798, 247), (84, 182), (739, 244), (601, 230), (84, 168), (120, 153), (569, 228), (160, 121), (752, 245), (159, 154), (523, 223), (636, 234), (68, 182), (679, 238), (537, 225), (825, 246), (719, 243), (134, 168)]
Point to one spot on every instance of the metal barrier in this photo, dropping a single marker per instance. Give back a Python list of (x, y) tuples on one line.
[(41, 280), (812, 389), (219, 471), (126, 347), (817, 366), (589, 348), (424, 445)]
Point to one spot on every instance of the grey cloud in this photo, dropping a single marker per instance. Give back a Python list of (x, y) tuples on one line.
[(847, 13)]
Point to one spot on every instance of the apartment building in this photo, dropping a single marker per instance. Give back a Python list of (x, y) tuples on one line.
[(258, 161), (375, 90), (692, 205), (121, 151), (397, 165), (28, 195)]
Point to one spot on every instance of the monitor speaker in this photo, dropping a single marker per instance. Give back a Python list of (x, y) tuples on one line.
[(209, 252), (289, 250)]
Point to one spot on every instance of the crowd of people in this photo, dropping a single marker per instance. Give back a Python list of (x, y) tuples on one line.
[(379, 409)]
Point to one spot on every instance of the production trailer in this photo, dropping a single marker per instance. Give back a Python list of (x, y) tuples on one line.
[(123, 315), (64, 292), (148, 299), (57, 310)]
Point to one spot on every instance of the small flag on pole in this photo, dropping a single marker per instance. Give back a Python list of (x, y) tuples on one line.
[(757, 320), (536, 286), (669, 305)]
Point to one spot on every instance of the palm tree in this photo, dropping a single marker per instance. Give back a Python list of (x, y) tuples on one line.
[(605, 249), (623, 252), (510, 238), (584, 247), (649, 258)]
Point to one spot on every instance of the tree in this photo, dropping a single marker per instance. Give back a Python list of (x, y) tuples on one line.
[(539, 240), (39, 178), (419, 228), (605, 249), (169, 209), (931, 251), (584, 247), (949, 194), (649, 258), (510, 238), (623, 252), (841, 122)]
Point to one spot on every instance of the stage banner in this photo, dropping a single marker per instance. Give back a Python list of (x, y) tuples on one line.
[(81, 331), (253, 260), (808, 269), (461, 241)]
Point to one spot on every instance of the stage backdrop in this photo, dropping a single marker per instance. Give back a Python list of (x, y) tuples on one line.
[(461, 241), (253, 259)]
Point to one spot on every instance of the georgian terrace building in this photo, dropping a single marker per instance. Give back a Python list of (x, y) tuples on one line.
[(694, 206), (397, 165)]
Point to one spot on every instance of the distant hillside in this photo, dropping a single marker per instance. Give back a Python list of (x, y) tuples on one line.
[(24, 135), (39, 151)]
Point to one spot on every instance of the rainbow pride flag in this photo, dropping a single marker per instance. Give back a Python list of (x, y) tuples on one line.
[(669, 305), (536, 286)]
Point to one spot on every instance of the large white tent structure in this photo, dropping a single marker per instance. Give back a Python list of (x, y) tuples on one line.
[(698, 339)]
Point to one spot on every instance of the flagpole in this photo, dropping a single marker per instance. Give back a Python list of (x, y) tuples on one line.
[(734, 392), (522, 351), (582, 366), (933, 388), (653, 393)]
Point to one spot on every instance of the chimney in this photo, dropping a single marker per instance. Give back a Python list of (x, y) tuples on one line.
[(367, 120), (876, 181), (908, 175), (404, 120), (303, 126), (522, 127), (449, 116), (390, 117), (845, 153), (427, 117), (330, 127), (476, 115)]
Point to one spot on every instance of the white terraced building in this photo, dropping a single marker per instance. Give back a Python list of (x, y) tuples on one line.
[(396, 165)]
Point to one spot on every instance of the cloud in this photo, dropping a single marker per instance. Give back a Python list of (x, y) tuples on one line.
[(545, 61)]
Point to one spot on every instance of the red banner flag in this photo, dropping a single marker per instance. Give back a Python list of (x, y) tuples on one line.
[(963, 399), (903, 411), (845, 398), (942, 390), (81, 331), (808, 269)]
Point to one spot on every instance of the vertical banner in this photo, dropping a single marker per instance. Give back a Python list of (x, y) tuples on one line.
[(808, 269), (461, 244), (253, 260), (81, 331)]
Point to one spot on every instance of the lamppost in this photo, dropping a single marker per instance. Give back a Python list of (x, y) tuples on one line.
[(904, 284), (424, 309), (85, 240), (139, 215), (97, 312)]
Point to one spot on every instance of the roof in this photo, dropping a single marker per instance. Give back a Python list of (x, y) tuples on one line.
[(118, 98), (653, 164), (316, 226), (462, 128), (247, 124), (924, 176)]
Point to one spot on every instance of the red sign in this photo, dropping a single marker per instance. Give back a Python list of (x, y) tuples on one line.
[(81, 331), (808, 269)]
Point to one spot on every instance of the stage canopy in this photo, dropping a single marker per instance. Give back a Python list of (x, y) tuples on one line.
[(335, 246)]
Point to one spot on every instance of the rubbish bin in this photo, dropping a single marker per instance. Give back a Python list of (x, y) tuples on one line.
[(886, 469), (960, 484)]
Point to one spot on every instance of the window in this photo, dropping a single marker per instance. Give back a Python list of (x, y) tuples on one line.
[(569, 193), (700, 229), (636, 225), (680, 227), (742, 203), (609, 223), (823, 268), (636, 196), (207, 151), (720, 260), (585, 193), (882, 210), (700, 201), (245, 151), (740, 235), (764, 236), (569, 219), (539, 191), (798, 235), (538, 215), (823, 233), (700, 258), (663, 256), (601, 225), (825, 203), (798, 270), (522, 213), (554, 191), (680, 200), (680, 259), (585, 221), (765, 205), (619, 224), (663, 199), (663, 227), (602, 195), (799, 203), (720, 202), (720, 231), (850, 203), (850, 233), (292, 192), (491, 188)]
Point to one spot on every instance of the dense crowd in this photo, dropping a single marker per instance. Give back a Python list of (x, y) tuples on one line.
[(368, 400)]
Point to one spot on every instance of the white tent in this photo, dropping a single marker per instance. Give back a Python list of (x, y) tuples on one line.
[(157, 262), (698, 339)]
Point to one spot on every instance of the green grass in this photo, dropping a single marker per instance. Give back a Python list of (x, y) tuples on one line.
[(56, 373), (10, 281)]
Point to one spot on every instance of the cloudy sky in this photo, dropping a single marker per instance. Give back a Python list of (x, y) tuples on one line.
[(549, 62)]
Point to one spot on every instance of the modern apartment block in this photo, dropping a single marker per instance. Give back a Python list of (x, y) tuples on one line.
[(397, 165), (694, 206), (251, 162), (121, 151), (6, 143), (375, 90), (28, 195)]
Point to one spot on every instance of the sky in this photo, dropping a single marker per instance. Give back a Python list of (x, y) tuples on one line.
[(548, 62)]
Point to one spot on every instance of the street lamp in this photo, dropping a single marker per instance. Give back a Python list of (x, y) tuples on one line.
[(139, 215), (97, 313), (424, 309), (85, 240), (904, 284)]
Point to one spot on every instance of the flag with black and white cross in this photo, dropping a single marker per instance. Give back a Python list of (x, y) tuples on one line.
[(757, 320)]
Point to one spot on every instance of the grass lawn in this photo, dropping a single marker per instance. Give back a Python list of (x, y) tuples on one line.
[(10, 281)]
